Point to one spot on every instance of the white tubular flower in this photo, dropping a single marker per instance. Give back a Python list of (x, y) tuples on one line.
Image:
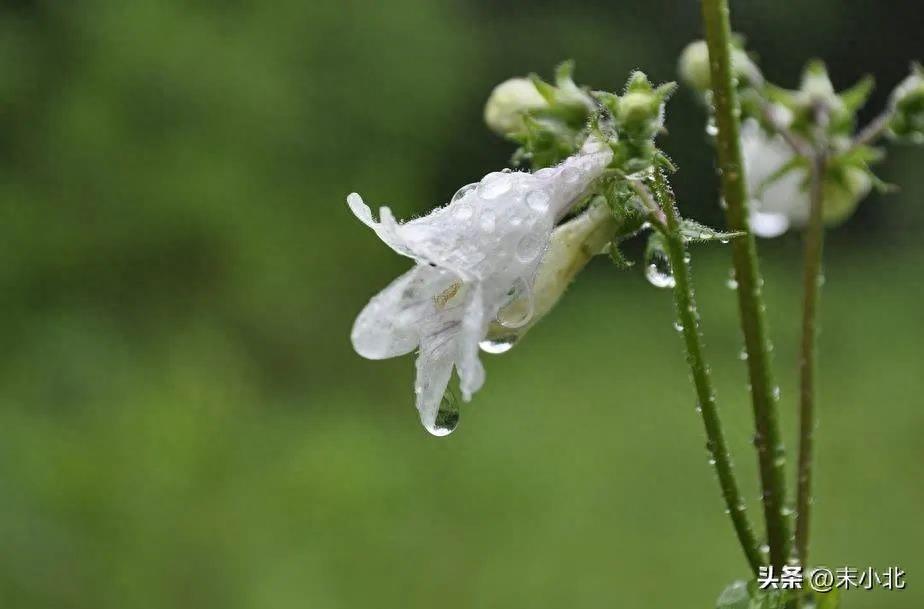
[(503, 112), (779, 202), (571, 247), (477, 260)]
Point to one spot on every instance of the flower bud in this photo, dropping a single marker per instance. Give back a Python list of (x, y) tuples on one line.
[(816, 85), (908, 105), (694, 66), (507, 104)]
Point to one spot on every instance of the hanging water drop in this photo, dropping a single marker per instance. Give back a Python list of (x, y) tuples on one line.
[(658, 269), (496, 345), (447, 417), (731, 282), (678, 326), (712, 129)]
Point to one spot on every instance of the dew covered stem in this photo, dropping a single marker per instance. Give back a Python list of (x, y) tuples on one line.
[(688, 318), (744, 257), (811, 292)]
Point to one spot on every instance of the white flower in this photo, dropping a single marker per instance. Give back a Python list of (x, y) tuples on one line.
[(477, 260), (694, 66), (781, 201), (503, 112)]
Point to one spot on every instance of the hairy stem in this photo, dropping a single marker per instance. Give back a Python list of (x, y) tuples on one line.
[(685, 304), (770, 450), (811, 287)]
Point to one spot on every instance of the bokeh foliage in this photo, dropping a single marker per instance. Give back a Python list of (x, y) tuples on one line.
[(183, 422)]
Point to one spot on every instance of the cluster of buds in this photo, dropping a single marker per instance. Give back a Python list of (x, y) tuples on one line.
[(552, 122), (785, 131), (907, 104), (547, 121)]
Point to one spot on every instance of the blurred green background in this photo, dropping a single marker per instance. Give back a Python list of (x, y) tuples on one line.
[(183, 422)]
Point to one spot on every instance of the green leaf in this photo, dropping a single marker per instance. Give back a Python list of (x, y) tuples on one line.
[(855, 97), (546, 90), (694, 232)]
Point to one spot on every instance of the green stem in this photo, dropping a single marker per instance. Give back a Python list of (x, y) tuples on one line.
[(685, 304), (770, 450), (811, 287)]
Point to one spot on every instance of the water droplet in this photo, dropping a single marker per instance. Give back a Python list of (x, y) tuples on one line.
[(487, 219), (658, 270), (678, 326), (776, 392), (447, 417), (731, 282), (529, 247), (768, 224), (463, 191), (712, 129), (743, 354), (519, 308), (538, 200), (494, 185), (499, 344)]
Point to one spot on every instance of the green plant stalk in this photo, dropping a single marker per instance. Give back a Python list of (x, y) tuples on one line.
[(767, 440), (811, 293), (685, 303)]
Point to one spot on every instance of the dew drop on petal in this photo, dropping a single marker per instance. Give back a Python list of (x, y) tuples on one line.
[(499, 344), (538, 200), (447, 417), (463, 191), (768, 224), (494, 185), (529, 247), (658, 270), (519, 308)]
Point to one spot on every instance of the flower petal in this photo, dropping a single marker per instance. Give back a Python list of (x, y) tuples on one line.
[(391, 324), (474, 328), (386, 228), (434, 368)]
